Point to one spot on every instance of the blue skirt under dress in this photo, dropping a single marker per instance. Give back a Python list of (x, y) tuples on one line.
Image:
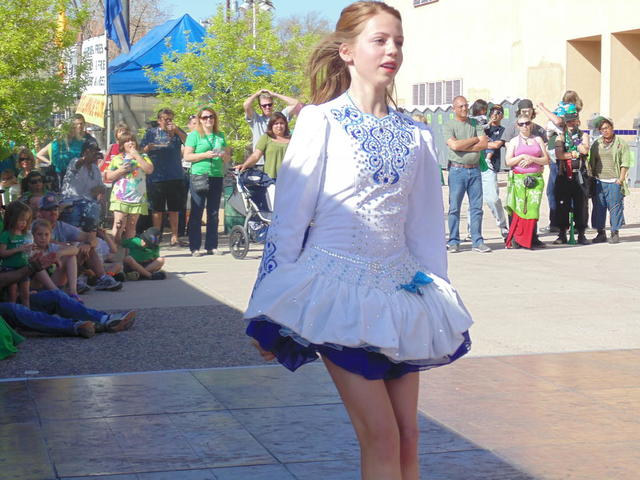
[(294, 352)]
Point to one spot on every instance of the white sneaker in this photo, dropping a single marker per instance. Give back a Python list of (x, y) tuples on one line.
[(107, 282), (482, 248)]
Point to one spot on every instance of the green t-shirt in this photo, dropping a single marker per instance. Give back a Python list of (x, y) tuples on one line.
[(139, 252), (17, 260), (209, 166), (273, 154), (462, 131)]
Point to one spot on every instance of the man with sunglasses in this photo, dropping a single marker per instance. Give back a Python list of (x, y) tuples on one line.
[(49, 210), (258, 122), (466, 139)]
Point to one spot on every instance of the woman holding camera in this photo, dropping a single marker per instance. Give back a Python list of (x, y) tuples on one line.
[(206, 149), (128, 171), (527, 156)]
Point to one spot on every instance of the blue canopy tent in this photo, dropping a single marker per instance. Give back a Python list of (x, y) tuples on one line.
[(126, 72)]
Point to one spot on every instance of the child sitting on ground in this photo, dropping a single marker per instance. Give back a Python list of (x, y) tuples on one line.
[(65, 269), (15, 248), (144, 255)]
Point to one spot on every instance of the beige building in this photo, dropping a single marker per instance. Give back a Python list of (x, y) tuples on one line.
[(507, 49)]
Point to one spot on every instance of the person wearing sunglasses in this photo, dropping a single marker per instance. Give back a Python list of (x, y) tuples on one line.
[(258, 121), (207, 151), (526, 156), (466, 140), (26, 163), (32, 184)]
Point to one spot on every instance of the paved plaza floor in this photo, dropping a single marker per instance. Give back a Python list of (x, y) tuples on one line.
[(551, 389)]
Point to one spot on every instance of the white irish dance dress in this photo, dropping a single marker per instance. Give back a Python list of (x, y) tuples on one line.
[(354, 265)]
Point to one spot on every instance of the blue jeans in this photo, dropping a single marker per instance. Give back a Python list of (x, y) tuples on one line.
[(491, 196), (608, 196), (211, 200), (469, 181), (52, 311), (182, 214)]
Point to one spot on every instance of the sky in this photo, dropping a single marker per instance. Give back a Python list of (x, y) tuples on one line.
[(201, 9)]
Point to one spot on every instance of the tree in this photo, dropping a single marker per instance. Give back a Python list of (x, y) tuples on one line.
[(225, 69), (33, 46)]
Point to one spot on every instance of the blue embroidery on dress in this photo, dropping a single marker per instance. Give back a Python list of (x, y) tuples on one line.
[(269, 263), (386, 142)]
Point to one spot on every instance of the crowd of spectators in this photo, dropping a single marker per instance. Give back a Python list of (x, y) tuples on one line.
[(53, 247), (581, 170), (55, 240)]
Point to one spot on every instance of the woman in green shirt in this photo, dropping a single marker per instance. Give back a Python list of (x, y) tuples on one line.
[(273, 145), (206, 149)]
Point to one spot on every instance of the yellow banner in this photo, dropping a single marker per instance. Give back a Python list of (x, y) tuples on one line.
[(92, 106)]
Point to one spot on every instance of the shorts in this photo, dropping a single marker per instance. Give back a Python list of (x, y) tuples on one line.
[(129, 208), (167, 196), (127, 268)]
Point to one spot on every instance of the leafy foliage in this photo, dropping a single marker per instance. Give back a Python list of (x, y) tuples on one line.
[(230, 65), (32, 50)]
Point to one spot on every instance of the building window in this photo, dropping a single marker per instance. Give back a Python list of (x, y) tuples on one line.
[(436, 93), (419, 3)]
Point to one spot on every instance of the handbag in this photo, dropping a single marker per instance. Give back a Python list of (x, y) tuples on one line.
[(530, 182), (199, 183)]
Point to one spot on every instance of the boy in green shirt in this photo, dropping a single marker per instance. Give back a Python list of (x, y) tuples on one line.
[(144, 255)]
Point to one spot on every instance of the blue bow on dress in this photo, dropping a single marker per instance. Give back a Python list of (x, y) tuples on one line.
[(419, 279)]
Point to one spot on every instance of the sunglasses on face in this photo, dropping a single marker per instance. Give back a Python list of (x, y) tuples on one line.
[(524, 124), (207, 117), (35, 181), (24, 159), (266, 105)]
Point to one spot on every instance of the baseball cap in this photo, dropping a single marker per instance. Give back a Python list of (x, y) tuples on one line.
[(567, 111), (598, 121), (49, 202), (151, 236), (525, 103)]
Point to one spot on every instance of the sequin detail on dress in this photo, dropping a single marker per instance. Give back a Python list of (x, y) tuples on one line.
[(268, 263), (386, 141)]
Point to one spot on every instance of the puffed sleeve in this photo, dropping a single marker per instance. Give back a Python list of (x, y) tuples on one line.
[(424, 228), (297, 190)]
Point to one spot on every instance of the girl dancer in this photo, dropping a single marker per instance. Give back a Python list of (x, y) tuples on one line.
[(367, 287)]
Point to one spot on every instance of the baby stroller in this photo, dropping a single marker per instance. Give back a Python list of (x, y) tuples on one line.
[(253, 198)]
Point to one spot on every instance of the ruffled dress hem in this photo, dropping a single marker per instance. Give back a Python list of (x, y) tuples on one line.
[(292, 351)]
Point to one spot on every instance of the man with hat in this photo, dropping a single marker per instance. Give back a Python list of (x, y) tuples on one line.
[(144, 255), (49, 209), (571, 189)]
